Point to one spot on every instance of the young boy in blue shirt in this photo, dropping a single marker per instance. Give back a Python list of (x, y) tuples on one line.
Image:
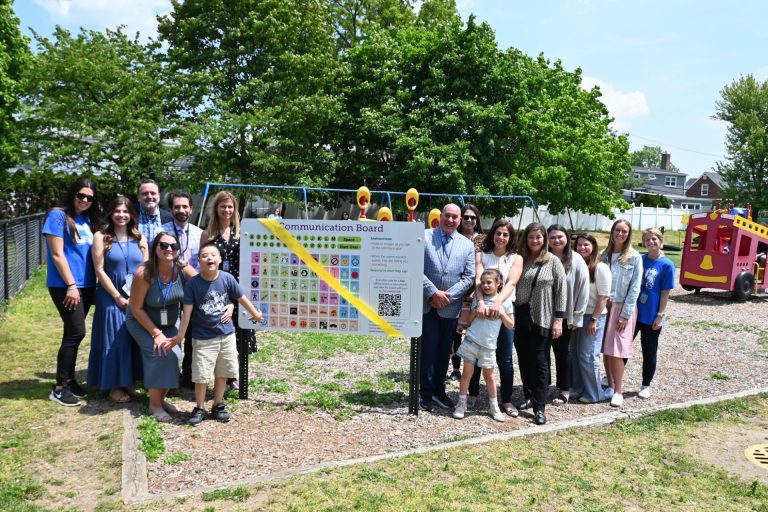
[(214, 350)]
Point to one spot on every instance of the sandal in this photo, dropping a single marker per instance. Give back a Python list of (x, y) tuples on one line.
[(118, 396), (170, 408), (162, 417)]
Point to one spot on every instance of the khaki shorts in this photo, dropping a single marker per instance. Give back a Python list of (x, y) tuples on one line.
[(478, 355), (216, 357)]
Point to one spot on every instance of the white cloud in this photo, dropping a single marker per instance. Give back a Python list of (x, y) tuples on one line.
[(623, 106), (136, 15)]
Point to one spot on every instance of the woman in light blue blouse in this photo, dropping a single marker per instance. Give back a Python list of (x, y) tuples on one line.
[(71, 279)]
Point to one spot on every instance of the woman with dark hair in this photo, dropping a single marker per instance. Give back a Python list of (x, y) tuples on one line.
[(587, 341), (469, 226), (118, 249), (153, 310), (577, 277), (626, 278), (540, 302), (71, 280), (498, 251), (224, 231)]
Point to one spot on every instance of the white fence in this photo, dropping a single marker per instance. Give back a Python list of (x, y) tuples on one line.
[(641, 217)]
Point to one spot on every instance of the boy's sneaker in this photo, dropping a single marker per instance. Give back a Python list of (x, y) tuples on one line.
[(76, 390), (645, 392), (198, 415), (64, 397), (219, 412), (460, 410)]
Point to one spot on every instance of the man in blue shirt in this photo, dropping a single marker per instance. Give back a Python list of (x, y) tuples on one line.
[(151, 217), (449, 271)]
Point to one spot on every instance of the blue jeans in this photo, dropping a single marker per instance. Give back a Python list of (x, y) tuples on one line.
[(504, 347), (585, 360), (436, 337)]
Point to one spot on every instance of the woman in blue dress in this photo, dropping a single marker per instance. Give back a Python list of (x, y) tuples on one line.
[(118, 249), (71, 281), (153, 310)]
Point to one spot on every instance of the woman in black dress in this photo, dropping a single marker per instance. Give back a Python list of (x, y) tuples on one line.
[(224, 231)]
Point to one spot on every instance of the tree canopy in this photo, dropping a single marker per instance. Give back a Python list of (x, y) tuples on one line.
[(744, 106), (14, 54), (649, 156), (94, 102), (325, 93)]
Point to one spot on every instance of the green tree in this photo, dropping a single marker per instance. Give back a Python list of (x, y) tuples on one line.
[(94, 102), (254, 88), (14, 54), (439, 107), (744, 106), (649, 156), (653, 200)]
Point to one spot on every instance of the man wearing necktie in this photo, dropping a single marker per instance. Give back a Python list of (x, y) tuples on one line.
[(151, 217), (188, 234), (449, 271)]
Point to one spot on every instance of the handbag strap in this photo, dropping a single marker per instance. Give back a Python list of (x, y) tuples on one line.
[(535, 278)]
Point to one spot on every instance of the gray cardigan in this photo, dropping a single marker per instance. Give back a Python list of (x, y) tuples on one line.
[(578, 291)]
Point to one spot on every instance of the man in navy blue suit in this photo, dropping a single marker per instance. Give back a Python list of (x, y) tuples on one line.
[(449, 271)]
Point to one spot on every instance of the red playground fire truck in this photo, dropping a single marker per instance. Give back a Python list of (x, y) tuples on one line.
[(725, 250)]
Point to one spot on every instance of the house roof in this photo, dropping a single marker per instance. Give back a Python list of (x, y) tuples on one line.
[(714, 177), (657, 170)]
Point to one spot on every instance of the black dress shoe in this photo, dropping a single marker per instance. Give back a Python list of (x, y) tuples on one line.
[(525, 404), (540, 418), (426, 405), (442, 401)]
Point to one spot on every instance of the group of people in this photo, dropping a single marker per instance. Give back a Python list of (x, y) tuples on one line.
[(141, 270), (540, 293)]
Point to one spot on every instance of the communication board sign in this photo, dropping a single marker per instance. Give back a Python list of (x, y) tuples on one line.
[(333, 276)]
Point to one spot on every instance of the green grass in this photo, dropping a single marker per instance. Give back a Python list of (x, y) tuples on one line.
[(177, 458), (150, 433), (720, 376), (237, 494)]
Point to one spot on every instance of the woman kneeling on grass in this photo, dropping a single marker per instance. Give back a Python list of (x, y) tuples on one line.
[(658, 281), (154, 307), (479, 345)]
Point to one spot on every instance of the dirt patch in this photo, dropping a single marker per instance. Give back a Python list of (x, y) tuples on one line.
[(723, 445), (710, 346)]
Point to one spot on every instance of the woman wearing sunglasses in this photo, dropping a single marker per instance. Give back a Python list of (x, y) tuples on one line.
[(154, 307), (71, 280), (469, 227)]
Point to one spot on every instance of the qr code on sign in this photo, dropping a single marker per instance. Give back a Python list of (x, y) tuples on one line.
[(390, 304)]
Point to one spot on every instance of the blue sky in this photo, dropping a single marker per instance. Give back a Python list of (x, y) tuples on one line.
[(660, 64)]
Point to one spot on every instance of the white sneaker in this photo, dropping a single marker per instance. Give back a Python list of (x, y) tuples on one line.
[(604, 381), (495, 412), (608, 393), (645, 392), (460, 410), (617, 400)]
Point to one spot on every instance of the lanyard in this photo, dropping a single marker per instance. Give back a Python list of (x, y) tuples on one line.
[(164, 294), (126, 253)]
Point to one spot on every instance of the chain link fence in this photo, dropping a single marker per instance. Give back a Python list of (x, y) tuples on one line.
[(22, 251)]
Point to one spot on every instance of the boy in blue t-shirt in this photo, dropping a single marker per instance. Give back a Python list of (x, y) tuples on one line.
[(214, 349)]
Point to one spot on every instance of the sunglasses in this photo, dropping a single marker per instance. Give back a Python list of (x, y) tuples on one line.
[(469, 217), (165, 246), (84, 197)]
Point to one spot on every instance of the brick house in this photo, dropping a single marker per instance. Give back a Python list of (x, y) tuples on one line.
[(708, 188)]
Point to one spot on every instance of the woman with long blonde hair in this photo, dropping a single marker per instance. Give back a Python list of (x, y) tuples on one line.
[(626, 276)]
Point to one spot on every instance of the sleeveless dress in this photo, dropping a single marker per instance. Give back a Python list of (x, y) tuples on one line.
[(230, 252), (159, 371), (114, 360)]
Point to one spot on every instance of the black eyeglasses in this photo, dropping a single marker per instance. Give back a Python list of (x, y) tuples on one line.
[(84, 197), (469, 217), (165, 245)]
